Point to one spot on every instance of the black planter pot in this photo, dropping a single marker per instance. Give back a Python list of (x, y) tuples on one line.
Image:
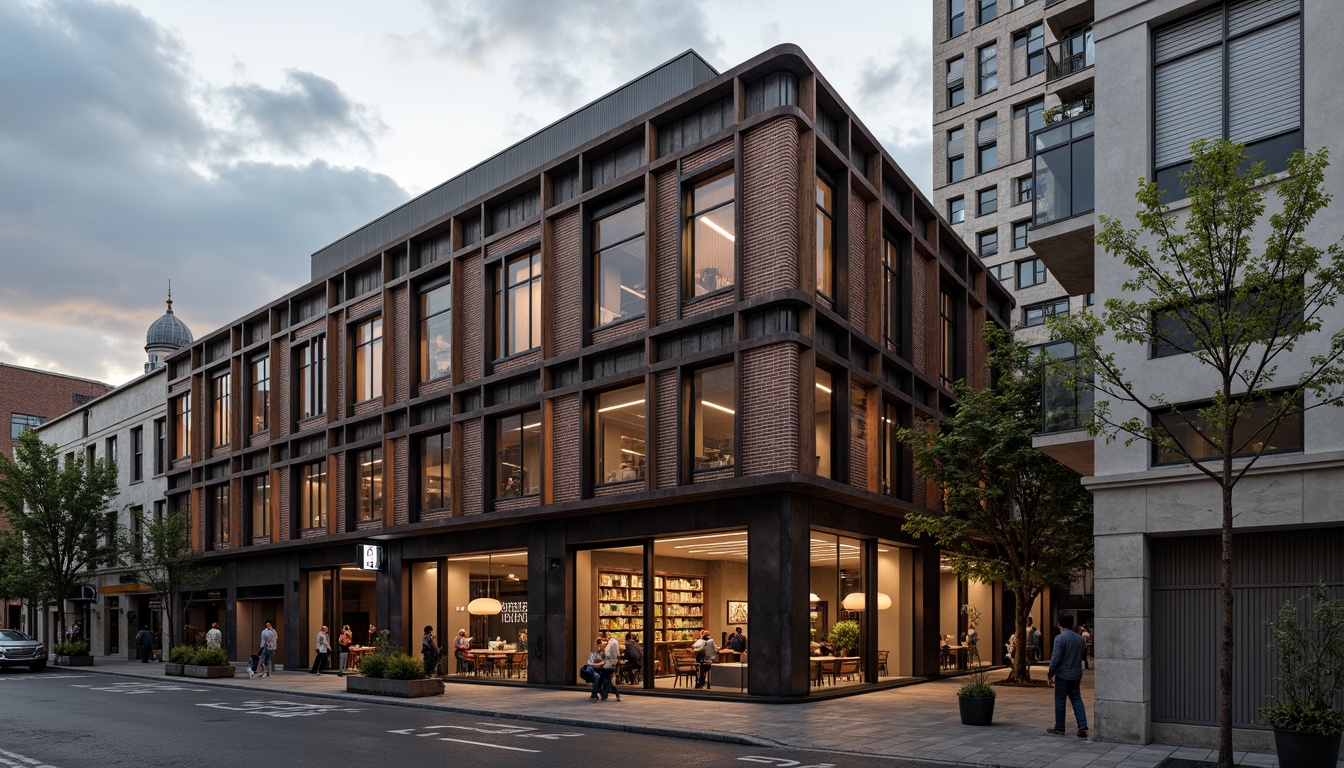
[(1306, 750), (976, 710)]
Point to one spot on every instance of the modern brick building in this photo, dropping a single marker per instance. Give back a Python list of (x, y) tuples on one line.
[(30, 398), (638, 372)]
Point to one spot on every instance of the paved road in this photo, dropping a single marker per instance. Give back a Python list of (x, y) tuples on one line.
[(68, 719)]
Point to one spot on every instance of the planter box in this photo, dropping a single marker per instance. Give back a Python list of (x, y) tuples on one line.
[(976, 710), (1306, 750), (170, 668), (74, 661), (405, 689), (195, 670)]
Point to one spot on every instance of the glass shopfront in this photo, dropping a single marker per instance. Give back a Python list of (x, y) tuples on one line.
[(478, 607)]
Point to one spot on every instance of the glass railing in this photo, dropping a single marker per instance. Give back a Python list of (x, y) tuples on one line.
[(1065, 404), (1062, 170)]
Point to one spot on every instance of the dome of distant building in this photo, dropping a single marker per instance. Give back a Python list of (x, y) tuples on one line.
[(165, 336)]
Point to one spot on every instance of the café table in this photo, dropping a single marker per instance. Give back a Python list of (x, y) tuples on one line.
[(820, 664), (489, 661), (358, 652)]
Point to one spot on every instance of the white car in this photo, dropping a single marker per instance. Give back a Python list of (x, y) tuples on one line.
[(20, 650)]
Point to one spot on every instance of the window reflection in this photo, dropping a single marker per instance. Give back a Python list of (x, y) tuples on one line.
[(713, 232), (621, 432), (714, 409), (618, 245)]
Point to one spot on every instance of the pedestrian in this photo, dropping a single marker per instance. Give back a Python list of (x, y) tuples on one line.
[(144, 644), (323, 654), (1066, 674), (706, 653), (429, 651), (611, 656), (1087, 638), (738, 641), (344, 641), (75, 633), (634, 658), (269, 641), (1032, 640), (214, 638)]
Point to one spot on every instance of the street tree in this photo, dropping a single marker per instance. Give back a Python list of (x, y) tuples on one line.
[(157, 553), (1008, 513), (1248, 316), (60, 519)]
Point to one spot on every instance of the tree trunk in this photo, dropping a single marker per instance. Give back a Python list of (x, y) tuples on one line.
[(1225, 667), (1020, 670)]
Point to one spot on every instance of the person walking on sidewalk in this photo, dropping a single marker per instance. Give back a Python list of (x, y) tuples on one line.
[(429, 651), (323, 642), (269, 640), (344, 641), (1066, 674), (144, 643), (214, 638)]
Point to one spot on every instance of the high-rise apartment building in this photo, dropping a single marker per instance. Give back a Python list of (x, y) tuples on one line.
[(1001, 70)]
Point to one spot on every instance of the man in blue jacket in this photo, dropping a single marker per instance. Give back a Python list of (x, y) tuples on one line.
[(1066, 674)]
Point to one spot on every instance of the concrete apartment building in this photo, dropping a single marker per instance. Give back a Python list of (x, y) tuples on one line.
[(635, 373), (1000, 68), (1262, 72)]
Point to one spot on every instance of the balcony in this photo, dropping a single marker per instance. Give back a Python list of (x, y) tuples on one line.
[(1063, 222), (1065, 409), (1074, 53)]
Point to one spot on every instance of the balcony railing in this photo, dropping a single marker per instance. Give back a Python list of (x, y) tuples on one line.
[(1072, 54), (1062, 170), (1065, 404)]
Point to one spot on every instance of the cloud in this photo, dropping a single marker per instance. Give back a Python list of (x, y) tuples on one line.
[(115, 183), (566, 52), (308, 111)]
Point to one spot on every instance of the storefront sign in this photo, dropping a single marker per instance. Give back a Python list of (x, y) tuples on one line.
[(514, 612), (371, 557)]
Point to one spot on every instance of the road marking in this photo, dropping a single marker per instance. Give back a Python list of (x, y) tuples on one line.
[(492, 746), (23, 762), (782, 762), (134, 688), (521, 731), (8, 679), (281, 708)]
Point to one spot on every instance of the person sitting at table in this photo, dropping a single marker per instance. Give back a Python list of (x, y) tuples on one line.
[(634, 657), (522, 640), (461, 651), (706, 653)]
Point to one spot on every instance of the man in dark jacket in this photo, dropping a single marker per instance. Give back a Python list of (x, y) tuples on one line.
[(144, 643), (1066, 674)]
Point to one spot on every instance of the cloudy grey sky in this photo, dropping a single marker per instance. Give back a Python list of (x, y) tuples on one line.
[(219, 144)]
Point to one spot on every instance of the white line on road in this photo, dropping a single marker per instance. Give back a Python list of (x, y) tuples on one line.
[(492, 746), (22, 761)]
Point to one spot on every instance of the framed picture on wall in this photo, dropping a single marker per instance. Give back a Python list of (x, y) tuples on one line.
[(737, 612)]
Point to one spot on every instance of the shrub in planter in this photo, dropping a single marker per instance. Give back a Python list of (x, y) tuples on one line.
[(373, 665), (975, 699), (1308, 645), (404, 667), (182, 654), (211, 657), (845, 635)]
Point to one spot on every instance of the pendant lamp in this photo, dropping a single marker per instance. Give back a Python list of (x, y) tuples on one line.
[(485, 606)]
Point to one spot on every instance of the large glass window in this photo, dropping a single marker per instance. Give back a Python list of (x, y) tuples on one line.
[(621, 431), (1029, 45), (987, 243), (891, 292), (956, 82), (987, 201), (951, 337), (518, 454), (1233, 71), (259, 501), (712, 232), (714, 412), (313, 495), (219, 513), (137, 454), (1030, 272), (1036, 314), (824, 422), (368, 353), (987, 144), (956, 210), (21, 421), (436, 470), (988, 58), (311, 363), (825, 250), (1020, 234), (518, 302), (219, 409), (956, 17), (1251, 435), (891, 461), (1027, 119), (369, 484), (618, 265), (436, 332), (837, 604), (989, 10), (260, 395), (182, 427)]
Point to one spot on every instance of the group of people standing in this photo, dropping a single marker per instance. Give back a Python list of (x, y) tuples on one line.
[(605, 658)]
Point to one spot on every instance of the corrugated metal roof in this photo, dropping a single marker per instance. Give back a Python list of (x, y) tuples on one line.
[(640, 95)]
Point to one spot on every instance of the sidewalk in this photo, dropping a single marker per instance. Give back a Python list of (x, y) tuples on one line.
[(918, 721)]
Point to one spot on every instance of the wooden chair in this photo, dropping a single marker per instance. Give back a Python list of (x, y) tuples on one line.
[(882, 663), (846, 668), (685, 666)]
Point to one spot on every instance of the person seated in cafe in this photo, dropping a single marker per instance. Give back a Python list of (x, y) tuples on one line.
[(634, 657), (461, 651), (706, 653), (522, 641), (737, 641)]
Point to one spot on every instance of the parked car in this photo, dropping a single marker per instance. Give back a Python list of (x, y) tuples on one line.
[(20, 650)]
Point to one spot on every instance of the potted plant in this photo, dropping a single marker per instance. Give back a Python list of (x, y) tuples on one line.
[(975, 698), (844, 637), (74, 654), (384, 673), (187, 661), (1308, 644)]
